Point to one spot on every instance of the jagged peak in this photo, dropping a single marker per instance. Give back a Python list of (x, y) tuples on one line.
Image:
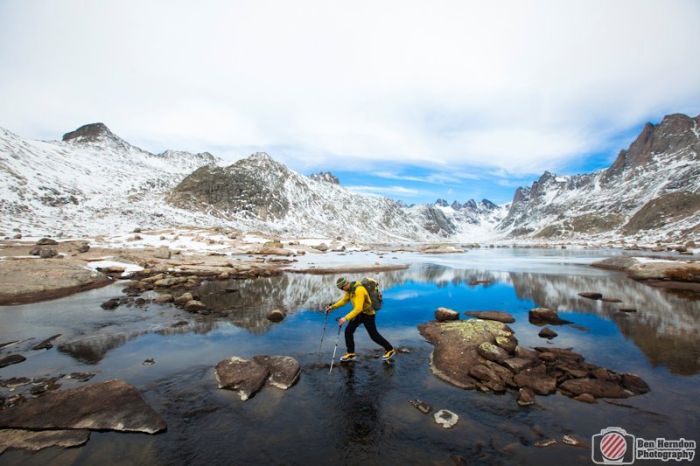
[(90, 133), (326, 177)]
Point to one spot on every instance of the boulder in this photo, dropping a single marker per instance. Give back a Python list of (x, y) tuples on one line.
[(48, 253), (635, 384), (35, 251), (195, 306), (547, 333), (456, 344), (113, 405), (183, 299), (499, 316), (11, 359), (488, 377), (162, 252), (591, 295), (491, 352), (241, 375), (83, 248), (537, 379), (112, 269), (276, 315), (543, 315), (585, 398), (47, 242), (323, 247), (35, 441), (596, 387), (518, 364), (443, 314), (110, 304), (164, 298), (284, 370), (526, 397), (507, 343)]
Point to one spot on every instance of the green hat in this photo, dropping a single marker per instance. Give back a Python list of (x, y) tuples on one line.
[(341, 282)]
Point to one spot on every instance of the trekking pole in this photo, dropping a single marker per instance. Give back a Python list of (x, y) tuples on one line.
[(337, 339), (325, 321)]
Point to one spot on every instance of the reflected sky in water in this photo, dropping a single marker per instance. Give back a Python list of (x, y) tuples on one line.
[(358, 413)]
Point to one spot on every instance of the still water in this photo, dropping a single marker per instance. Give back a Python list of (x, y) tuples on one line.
[(360, 413)]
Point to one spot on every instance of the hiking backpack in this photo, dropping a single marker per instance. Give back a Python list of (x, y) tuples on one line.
[(375, 294)]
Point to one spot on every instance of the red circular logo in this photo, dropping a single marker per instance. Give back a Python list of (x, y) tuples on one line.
[(613, 446)]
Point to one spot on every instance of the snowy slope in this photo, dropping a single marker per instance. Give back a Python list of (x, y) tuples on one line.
[(651, 192), (88, 185)]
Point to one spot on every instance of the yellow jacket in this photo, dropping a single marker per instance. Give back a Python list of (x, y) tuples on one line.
[(361, 302)]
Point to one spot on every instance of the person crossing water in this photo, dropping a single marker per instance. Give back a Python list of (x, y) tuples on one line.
[(362, 313)]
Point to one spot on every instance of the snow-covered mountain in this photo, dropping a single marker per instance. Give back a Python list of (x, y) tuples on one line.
[(651, 191), (91, 182)]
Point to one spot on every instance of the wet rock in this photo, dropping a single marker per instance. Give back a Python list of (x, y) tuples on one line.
[(42, 387), (113, 405), (526, 397), (488, 377), (284, 370), (591, 295), (543, 315), (574, 441), (560, 353), (443, 314), (635, 384), (547, 356), (11, 359), (110, 304), (545, 443), (518, 364), (421, 406), (112, 269), (35, 441), (507, 343), (276, 315), (456, 345), (241, 375), (47, 253), (446, 418), (547, 333), (162, 253), (596, 387), (537, 379), (148, 362), (170, 281), (164, 298), (499, 316), (14, 382), (585, 398), (46, 344), (47, 242), (81, 376), (195, 306), (183, 299), (492, 352)]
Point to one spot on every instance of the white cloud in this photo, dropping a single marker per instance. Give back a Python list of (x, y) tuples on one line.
[(385, 191), (517, 86)]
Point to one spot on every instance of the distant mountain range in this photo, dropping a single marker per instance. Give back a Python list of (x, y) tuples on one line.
[(93, 182)]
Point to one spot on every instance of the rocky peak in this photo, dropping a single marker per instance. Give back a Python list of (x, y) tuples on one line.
[(441, 203), (488, 205), (326, 177), (456, 205), (90, 133)]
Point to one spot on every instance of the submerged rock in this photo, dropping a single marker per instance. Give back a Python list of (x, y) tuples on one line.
[(499, 316), (421, 406), (113, 405), (276, 315), (35, 441), (11, 359), (46, 344), (548, 333)]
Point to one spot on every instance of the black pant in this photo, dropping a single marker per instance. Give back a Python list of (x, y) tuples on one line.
[(371, 328)]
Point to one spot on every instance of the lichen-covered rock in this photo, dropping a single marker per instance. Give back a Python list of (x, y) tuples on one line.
[(492, 352)]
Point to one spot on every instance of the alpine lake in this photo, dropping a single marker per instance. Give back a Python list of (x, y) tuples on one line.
[(359, 413)]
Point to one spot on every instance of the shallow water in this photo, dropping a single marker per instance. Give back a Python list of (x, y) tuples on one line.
[(359, 414)]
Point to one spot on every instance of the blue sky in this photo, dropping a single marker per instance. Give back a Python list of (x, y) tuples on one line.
[(415, 100)]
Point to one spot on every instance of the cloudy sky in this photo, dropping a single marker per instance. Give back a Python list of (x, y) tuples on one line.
[(413, 100)]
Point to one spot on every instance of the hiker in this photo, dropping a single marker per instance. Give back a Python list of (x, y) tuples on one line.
[(362, 313)]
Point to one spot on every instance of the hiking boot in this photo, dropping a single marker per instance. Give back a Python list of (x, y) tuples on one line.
[(348, 357), (389, 354)]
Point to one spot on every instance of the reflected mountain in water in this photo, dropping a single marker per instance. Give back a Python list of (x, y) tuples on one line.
[(666, 326)]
